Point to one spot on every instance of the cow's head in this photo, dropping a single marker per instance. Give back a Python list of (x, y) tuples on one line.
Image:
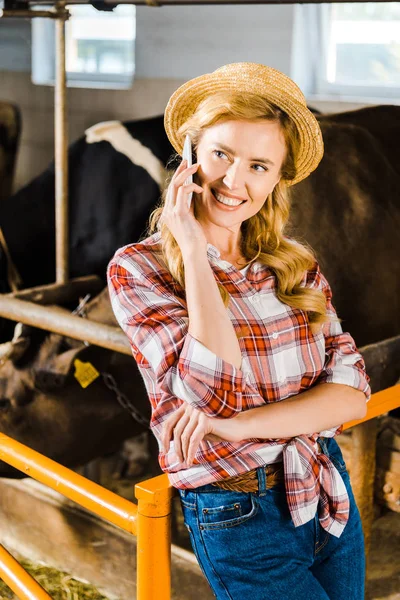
[(45, 405)]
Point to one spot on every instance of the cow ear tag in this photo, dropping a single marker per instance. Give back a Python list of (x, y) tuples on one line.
[(85, 373)]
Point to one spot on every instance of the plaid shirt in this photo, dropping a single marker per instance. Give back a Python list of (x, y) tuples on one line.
[(281, 357)]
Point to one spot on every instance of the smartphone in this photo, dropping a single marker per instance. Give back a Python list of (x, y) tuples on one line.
[(187, 155)]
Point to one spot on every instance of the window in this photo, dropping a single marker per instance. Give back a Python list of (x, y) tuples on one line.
[(360, 50), (100, 48)]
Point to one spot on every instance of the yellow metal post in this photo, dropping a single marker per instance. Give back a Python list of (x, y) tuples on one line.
[(154, 538)]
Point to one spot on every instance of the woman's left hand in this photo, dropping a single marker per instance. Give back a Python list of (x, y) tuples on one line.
[(188, 427)]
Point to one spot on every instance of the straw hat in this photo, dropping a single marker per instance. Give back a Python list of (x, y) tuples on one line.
[(249, 78)]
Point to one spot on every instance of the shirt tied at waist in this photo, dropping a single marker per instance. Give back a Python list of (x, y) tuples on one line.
[(313, 483)]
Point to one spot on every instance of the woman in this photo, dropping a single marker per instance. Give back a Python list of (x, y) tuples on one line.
[(247, 369)]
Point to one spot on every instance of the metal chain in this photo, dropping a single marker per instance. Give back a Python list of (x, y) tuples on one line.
[(109, 380), (80, 310), (124, 400)]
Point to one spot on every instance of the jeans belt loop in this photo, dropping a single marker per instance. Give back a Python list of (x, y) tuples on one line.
[(262, 484)]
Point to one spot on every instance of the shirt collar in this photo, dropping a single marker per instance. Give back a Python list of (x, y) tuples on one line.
[(214, 254), (213, 251)]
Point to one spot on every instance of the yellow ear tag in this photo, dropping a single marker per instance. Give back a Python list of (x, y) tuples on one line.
[(85, 373)]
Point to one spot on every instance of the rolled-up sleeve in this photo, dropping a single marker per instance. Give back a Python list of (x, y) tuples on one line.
[(343, 362), (156, 323)]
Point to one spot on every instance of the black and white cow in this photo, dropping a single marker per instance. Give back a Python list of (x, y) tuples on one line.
[(111, 190)]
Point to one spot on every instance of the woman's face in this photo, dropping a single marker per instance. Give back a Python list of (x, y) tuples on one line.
[(240, 162)]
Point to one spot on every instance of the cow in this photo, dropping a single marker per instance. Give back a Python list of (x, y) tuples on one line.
[(62, 397), (110, 195), (115, 174), (347, 210)]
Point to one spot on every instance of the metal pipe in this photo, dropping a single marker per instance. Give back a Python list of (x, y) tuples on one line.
[(56, 293), (90, 495), (61, 149), (19, 580), (380, 403), (28, 14), (60, 320), (158, 3)]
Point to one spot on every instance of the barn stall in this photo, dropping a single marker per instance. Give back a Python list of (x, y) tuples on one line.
[(19, 306)]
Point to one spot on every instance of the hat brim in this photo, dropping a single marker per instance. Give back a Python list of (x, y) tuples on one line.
[(281, 91)]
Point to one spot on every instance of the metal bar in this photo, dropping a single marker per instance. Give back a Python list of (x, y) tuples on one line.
[(28, 14), (90, 495), (61, 150), (379, 404), (159, 3), (56, 293), (154, 538), (19, 580), (59, 320)]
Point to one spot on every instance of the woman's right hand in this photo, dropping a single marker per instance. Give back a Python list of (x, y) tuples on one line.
[(180, 219)]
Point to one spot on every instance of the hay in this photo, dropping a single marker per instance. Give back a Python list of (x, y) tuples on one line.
[(58, 584)]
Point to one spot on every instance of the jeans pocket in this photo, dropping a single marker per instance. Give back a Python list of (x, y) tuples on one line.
[(334, 453), (339, 464), (224, 511)]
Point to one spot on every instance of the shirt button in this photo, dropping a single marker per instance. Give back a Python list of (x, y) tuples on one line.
[(254, 299), (275, 335)]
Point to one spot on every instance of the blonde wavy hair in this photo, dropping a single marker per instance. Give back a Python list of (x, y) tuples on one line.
[(263, 235)]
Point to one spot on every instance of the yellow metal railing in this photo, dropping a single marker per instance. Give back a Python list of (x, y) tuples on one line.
[(379, 404), (15, 576), (149, 520), (90, 495)]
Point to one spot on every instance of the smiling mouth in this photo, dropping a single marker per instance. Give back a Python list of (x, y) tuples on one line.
[(226, 201)]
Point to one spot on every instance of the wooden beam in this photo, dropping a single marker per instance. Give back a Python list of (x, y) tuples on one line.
[(15, 13), (60, 320), (60, 293)]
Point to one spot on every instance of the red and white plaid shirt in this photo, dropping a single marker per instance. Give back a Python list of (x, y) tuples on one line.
[(281, 357)]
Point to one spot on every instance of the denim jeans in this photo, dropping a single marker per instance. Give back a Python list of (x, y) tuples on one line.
[(248, 548)]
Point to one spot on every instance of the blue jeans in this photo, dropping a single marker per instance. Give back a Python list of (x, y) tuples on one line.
[(248, 548)]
